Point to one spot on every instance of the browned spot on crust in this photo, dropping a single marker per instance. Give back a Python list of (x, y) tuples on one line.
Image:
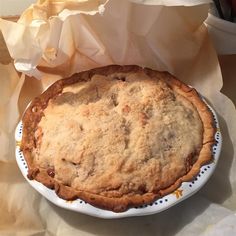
[(126, 109), (51, 172)]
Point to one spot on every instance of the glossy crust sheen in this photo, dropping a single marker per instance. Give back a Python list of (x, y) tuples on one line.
[(34, 113)]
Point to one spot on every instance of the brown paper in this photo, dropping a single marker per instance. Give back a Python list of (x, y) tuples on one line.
[(165, 38), (114, 32)]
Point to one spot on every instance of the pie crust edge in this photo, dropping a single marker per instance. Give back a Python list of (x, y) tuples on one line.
[(34, 112)]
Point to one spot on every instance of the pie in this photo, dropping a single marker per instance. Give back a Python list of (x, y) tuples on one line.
[(117, 136)]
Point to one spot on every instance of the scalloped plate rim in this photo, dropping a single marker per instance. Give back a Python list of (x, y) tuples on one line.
[(159, 205)]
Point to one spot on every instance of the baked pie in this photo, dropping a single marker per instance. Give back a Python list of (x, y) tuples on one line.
[(117, 136)]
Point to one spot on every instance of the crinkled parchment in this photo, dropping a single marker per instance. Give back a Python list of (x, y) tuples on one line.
[(54, 39)]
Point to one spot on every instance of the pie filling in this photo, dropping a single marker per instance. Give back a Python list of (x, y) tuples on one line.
[(118, 135)]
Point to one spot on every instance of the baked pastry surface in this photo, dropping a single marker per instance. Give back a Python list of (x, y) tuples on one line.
[(117, 136)]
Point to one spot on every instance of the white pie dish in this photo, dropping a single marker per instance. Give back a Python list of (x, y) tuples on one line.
[(184, 191)]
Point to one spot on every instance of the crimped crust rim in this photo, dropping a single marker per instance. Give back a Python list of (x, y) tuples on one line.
[(31, 119)]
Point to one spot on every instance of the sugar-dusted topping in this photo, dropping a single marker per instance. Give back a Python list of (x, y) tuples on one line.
[(118, 134)]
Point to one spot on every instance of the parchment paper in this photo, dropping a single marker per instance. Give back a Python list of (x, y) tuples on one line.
[(165, 38)]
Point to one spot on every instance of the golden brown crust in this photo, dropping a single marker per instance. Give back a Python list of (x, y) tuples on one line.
[(34, 114)]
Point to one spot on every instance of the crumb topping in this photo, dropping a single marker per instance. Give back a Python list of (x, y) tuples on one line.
[(121, 134)]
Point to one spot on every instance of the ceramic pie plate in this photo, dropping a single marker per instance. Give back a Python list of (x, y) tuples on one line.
[(186, 189)]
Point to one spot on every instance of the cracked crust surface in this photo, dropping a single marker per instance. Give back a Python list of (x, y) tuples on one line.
[(117, 136)]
